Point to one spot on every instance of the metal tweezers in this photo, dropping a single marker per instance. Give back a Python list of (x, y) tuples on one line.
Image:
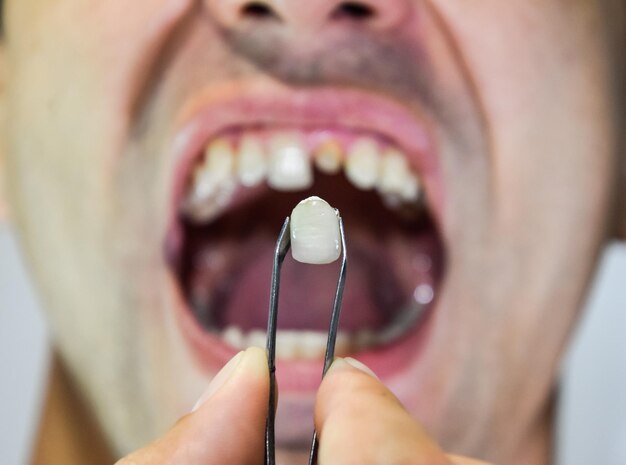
[(282, 247)]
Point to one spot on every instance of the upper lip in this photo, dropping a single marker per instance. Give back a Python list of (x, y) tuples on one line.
[(216, 111)]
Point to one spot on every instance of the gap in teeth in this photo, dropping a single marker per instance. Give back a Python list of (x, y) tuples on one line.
[(286, 160)]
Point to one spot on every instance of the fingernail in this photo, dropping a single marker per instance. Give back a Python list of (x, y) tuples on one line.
[(219, 380), (349, 363)]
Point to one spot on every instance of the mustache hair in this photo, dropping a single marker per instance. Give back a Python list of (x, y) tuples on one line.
[(391, 64), (358, 59)]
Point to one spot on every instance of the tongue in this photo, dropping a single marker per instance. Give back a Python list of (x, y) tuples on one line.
[(307, 292)]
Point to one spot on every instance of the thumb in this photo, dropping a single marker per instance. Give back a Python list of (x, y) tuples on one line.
[(360, 421), (227, 424)]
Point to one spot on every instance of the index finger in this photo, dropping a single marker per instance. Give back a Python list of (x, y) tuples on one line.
[(228, 425)]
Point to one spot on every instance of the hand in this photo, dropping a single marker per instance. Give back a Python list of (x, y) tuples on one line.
[(357, 417), (360, 421), (227, 426)]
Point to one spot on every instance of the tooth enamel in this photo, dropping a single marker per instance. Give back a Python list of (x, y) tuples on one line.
[(403, 319), (312, 344), (256, 338), (220, 161), (411, 190), (234, 336), (343, 344), (315, 236), (391, 201), (289, 165), (251, 166), (287, 344), (423, 294), (327, 157), (364, 339), (213, 182), (362, 163), (394, 173)]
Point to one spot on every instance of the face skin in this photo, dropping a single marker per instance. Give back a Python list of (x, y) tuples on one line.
[(517, 96)]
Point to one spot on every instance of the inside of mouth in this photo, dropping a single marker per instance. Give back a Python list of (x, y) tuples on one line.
[(395, 265)]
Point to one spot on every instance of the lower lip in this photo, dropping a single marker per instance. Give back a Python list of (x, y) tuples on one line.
[(301, 376)]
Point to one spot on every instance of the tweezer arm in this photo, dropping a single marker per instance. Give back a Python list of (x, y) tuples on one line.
[(334, 325), (282, 247), (334, 319)]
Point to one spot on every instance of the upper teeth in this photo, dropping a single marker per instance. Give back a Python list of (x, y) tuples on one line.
[(395, 176), (252, 167), (289, 164), (286, 163), (327, 157), (363, 164), (213, 181)]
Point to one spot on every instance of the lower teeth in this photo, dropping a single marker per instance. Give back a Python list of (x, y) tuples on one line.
[(311, 345), (297, 345)]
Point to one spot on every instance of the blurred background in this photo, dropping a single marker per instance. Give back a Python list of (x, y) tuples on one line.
[(593, 389)]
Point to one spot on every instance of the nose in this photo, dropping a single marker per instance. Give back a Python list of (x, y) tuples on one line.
[(310, 15)]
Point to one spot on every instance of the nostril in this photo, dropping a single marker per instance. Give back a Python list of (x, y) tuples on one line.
[(354, 11), (258, 10)]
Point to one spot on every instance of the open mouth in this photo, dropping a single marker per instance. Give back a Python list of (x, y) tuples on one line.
[(236, 192)]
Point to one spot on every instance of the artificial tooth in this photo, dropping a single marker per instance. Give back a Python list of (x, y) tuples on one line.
[(257, 338), (327, 157), (289, 165), (252, 166), (394, 173), (362, 164), (234, 336), (315, 235), (312, 344)]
